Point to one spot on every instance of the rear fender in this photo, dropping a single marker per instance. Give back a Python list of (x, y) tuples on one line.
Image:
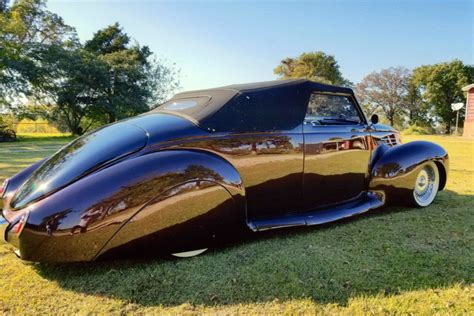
[(394, 171), (192, 215), (76, 222), (15, 181)]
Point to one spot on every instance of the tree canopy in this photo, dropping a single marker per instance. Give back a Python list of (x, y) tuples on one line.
[(25, 26), (316, 66), (387, 91), (79, 86), (133, 81), (422, 97), (440, 85)]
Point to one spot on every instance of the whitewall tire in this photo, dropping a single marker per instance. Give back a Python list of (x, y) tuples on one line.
[(426, 184)]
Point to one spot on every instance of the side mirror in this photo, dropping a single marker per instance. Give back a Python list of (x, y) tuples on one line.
[(374, 119)]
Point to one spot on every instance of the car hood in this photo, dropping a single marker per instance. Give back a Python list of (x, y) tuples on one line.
[(383, 128), (93, 150)]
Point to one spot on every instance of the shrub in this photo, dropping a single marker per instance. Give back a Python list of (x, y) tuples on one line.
[(418, 130), (7, 120), (37, 126)]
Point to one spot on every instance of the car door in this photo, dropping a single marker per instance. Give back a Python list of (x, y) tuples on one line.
[(336, 150), (271, 167)]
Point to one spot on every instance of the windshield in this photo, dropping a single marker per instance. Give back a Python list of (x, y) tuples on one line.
[(332, 109)]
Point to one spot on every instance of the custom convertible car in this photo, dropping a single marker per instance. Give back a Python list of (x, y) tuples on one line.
[(214, 165)]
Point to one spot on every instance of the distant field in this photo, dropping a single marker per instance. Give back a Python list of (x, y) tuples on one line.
[(394, 260), (28, 149)]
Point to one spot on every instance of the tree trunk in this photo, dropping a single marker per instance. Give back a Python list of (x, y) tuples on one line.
[(112, 117), (76, 130), (448, 128)]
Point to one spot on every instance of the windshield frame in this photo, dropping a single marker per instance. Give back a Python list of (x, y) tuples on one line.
[(350, 97)]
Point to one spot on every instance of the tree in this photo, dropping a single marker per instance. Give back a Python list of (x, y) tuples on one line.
[(386, 91), (135, 79), (419, 112), (316, 66), (3, 5), (28, 22), (73, 91), (440, 85), (102, 81), (25, 26), (78, 86)]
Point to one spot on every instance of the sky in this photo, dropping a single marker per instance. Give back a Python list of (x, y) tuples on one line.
[(216, 43)]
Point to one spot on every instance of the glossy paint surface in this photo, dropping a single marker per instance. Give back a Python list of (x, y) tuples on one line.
[(173, 187), (362, 203), (395, 172), (79, 157), (15, 182), (336, 163), (192, 215), (270, 166), (96, 149), (84, 216)]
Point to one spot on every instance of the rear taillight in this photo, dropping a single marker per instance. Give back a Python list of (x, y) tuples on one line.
[(13, 233), (20, 225)]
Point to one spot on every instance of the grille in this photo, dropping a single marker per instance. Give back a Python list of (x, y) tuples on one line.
[(390, 140)]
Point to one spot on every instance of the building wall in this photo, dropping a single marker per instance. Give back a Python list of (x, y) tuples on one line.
[(469, 121)]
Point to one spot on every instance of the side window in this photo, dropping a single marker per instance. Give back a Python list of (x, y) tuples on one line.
[(332, 109)]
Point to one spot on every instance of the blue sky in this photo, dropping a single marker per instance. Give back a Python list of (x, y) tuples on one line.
[(219, 43)]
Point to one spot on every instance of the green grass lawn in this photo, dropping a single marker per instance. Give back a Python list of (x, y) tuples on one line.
[(393, 260)]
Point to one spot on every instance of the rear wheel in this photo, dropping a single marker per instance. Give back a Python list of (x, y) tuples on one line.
[(426, 185)]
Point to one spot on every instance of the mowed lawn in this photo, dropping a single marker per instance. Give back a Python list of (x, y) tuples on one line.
[(393, 260)]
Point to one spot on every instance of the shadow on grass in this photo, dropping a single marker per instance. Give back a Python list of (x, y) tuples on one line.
[(387, 251)]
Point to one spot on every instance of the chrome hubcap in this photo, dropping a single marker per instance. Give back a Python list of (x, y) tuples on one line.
[(426, 184), (422, 181)]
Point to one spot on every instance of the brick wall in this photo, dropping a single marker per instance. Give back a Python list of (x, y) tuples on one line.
[(469, 121), (470, 105)]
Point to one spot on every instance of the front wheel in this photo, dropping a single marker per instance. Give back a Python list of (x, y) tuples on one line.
[(426, 185)]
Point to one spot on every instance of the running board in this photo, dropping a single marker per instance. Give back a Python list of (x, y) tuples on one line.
[(360, 205)]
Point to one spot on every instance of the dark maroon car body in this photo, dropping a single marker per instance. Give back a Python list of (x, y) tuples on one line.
[(207, 167)]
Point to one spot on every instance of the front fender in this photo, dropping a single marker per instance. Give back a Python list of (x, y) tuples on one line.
[(75, 223), (394, 171)]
